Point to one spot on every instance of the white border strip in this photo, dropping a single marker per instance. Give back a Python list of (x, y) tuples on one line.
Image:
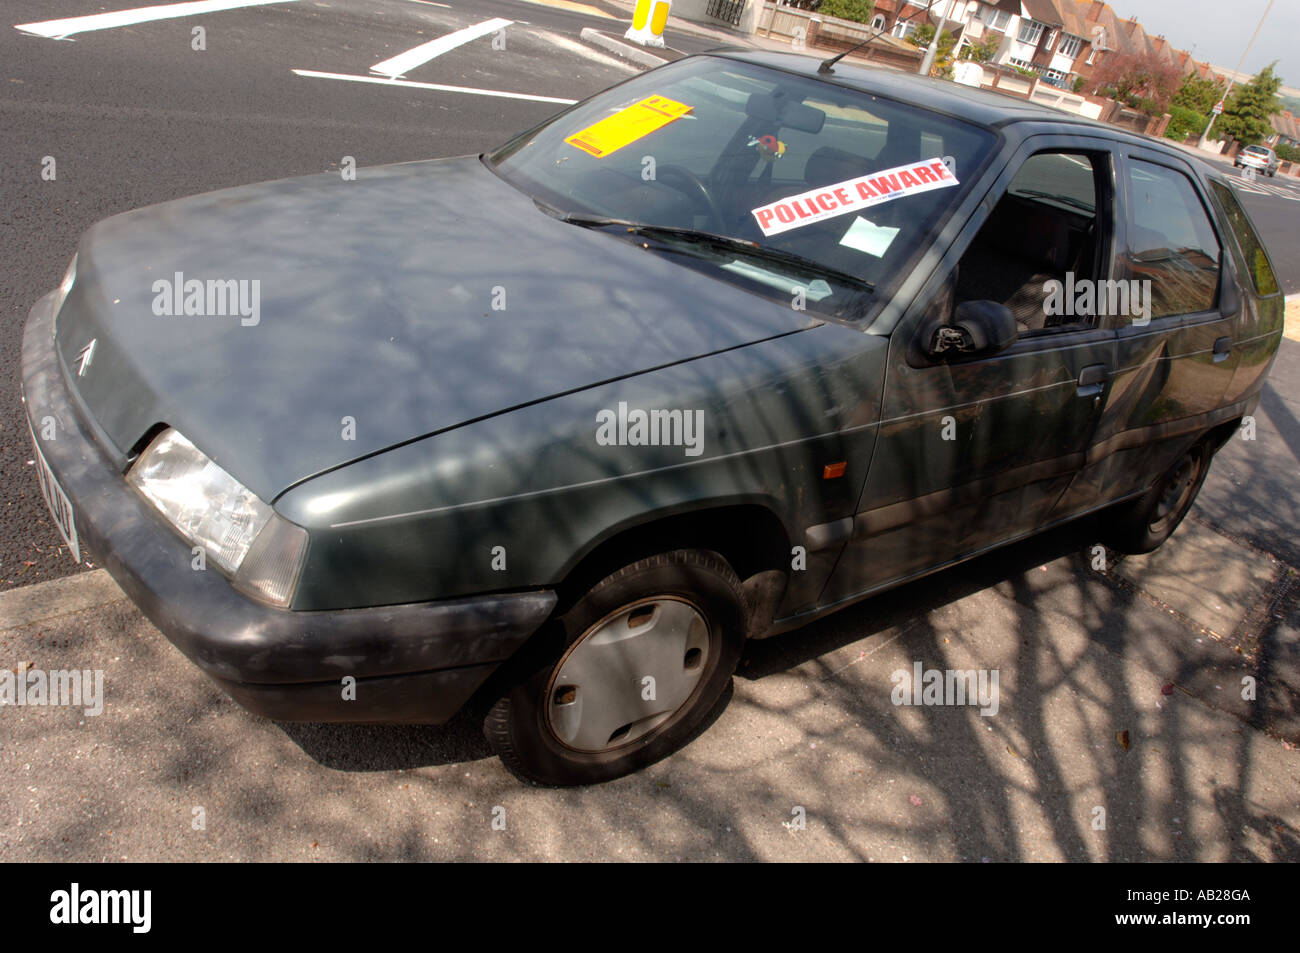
[(402, 62), (382, 81), (57, 29)]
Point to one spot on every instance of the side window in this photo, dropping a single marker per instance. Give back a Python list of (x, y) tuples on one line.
[(1261, 273), (1171, 242), (1041, 241)]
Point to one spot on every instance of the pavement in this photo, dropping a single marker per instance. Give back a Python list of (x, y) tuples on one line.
[(1148, 707)]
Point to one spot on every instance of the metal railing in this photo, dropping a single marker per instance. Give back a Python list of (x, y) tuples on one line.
[(728, 11)]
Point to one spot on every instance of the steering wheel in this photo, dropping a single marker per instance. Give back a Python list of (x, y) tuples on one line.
[(694, 186)]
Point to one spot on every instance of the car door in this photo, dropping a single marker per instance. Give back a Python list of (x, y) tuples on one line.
[(973, 452), (1176, 358)]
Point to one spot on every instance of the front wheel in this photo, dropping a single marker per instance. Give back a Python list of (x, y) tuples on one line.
[(1142, 525), (627, 675)]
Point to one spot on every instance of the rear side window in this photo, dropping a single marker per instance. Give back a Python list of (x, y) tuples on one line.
[(1171, 241), (1251, 248)]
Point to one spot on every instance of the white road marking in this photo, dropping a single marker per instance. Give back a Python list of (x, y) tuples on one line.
[(412, 58), (430, 3), (57, 29), (1256, 187), (382, 81), (584, 51)]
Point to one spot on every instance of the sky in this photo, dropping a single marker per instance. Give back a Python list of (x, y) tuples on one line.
[(1218, 31)]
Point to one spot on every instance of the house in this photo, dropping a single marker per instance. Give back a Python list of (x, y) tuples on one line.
[(1044, 36), (1286, 130)]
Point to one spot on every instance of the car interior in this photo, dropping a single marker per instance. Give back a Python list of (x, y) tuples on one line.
[(1044, 227)]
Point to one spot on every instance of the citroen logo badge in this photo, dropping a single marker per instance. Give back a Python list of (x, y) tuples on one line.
[(84, 358)]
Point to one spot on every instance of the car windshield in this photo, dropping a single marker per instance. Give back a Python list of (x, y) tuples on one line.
[(780, 182), (1256, 151)]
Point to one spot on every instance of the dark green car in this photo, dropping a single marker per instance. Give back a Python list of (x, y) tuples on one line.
[(554, 430)]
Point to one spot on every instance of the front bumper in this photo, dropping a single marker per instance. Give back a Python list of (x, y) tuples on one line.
[(412, 663)]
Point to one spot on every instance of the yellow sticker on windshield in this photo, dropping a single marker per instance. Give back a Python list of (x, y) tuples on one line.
[(627, 125)]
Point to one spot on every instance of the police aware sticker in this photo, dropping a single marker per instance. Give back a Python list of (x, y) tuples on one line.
[(853, 195)]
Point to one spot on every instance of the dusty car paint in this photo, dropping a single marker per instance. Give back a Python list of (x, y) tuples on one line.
[(475, 429)]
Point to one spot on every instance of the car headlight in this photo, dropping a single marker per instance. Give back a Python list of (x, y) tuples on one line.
[(242, 535)]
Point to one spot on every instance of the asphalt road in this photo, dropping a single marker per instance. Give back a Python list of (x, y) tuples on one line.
[(1148, 650)]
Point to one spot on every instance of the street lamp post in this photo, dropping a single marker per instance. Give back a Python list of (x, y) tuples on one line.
[(927, 62), (1219, 106)]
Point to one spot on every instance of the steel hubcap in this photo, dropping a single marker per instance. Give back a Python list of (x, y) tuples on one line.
[(628, 674), (1176, 490)]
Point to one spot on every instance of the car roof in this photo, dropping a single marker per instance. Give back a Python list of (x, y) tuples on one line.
[(986, 108)]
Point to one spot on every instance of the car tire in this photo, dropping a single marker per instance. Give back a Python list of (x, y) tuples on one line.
[(1143, 524), (580, 709)]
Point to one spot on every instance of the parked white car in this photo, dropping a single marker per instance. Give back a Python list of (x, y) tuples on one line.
[(1259, 158)]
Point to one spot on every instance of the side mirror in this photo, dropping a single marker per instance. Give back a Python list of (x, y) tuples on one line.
[(977, 327)]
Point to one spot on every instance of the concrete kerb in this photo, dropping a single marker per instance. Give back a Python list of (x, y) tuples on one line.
[(628, 51), (58, 597)]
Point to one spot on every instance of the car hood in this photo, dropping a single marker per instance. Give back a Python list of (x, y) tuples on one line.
[(413, 299)]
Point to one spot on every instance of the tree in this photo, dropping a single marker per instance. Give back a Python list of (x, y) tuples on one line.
[(1137, 81), (1245, 116), (1287, 153), (943, 52), (1199, 94), (981, 52), (857, 10), (1184, 122)]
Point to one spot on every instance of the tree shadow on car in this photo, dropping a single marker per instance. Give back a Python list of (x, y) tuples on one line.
[(896, 607), (346, 747)]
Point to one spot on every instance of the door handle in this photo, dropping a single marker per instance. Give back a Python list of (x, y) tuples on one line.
[(1092, 380), (1222, 348)]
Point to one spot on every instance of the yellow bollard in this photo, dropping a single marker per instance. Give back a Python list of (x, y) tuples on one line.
[(648, 21)]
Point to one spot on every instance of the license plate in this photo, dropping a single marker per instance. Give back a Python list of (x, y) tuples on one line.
[(57, 501)]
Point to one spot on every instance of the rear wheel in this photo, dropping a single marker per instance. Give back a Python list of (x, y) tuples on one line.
[(627, 675), (1141, 525)]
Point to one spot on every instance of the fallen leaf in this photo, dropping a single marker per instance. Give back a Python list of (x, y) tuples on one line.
[(1167, 688), (1122, 738), (916, 801)]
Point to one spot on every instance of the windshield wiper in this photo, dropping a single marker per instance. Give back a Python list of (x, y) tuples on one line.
[(696, 236)]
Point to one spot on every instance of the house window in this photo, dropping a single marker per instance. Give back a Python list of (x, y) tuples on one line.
[(1056, 74), (1070, 46), (1051, 39), (1021, 64), (1030, 31), (904, 29), (996, 19), (878, 22)]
